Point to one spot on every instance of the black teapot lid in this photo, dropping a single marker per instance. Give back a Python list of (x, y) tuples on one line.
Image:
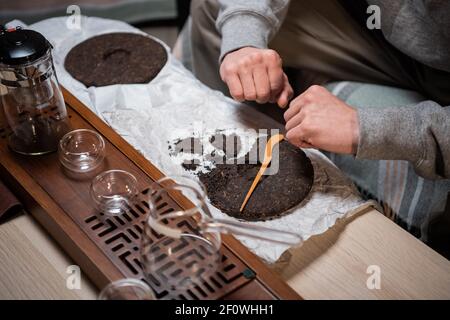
[(19, 46)]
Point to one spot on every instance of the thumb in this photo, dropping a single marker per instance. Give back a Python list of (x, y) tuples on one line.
[(286, 94)]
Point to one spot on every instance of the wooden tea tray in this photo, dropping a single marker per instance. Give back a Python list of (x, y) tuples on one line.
[(107, 249)]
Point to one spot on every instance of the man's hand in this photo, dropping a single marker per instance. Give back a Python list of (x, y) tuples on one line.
[(256, 75), (318, 119)]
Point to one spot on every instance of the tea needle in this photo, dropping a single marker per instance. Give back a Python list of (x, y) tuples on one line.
[(271, 143)]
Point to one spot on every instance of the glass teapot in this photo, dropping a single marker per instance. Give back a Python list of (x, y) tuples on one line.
[(32, 102)]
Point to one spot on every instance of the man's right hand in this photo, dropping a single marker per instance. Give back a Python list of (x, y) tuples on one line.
[(254, 74)]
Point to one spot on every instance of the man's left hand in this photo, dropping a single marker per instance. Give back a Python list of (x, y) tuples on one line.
[(318, 119)]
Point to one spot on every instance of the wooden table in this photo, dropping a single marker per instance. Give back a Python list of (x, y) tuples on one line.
[(334, 265), (329, 266), (33, 266)]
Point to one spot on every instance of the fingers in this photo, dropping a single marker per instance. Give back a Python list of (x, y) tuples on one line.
[(260, 75), (262, 84), (305, 145), (276, 79), (296, 131), (293, 110), (300, 101), (295, 121), (248, 85), (297, 136), (234, 84), (275, 74), (229, 74), (286, 94)]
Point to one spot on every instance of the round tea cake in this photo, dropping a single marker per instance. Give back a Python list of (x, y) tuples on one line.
[(116, 58), (227, 185)]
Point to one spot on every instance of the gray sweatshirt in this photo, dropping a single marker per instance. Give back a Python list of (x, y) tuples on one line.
[(420, 29)]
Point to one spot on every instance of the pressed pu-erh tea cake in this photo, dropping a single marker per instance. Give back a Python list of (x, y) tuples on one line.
[(116, 58), (227, 184)]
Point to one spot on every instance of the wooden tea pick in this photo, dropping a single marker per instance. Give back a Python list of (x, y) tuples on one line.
[(273, 141)]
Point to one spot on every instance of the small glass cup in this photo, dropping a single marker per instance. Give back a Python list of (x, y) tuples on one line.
[(114, 191), (127, 289), (81, 150)]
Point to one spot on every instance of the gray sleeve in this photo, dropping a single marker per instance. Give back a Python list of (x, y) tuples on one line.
[(419, 134), (249, 23)]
